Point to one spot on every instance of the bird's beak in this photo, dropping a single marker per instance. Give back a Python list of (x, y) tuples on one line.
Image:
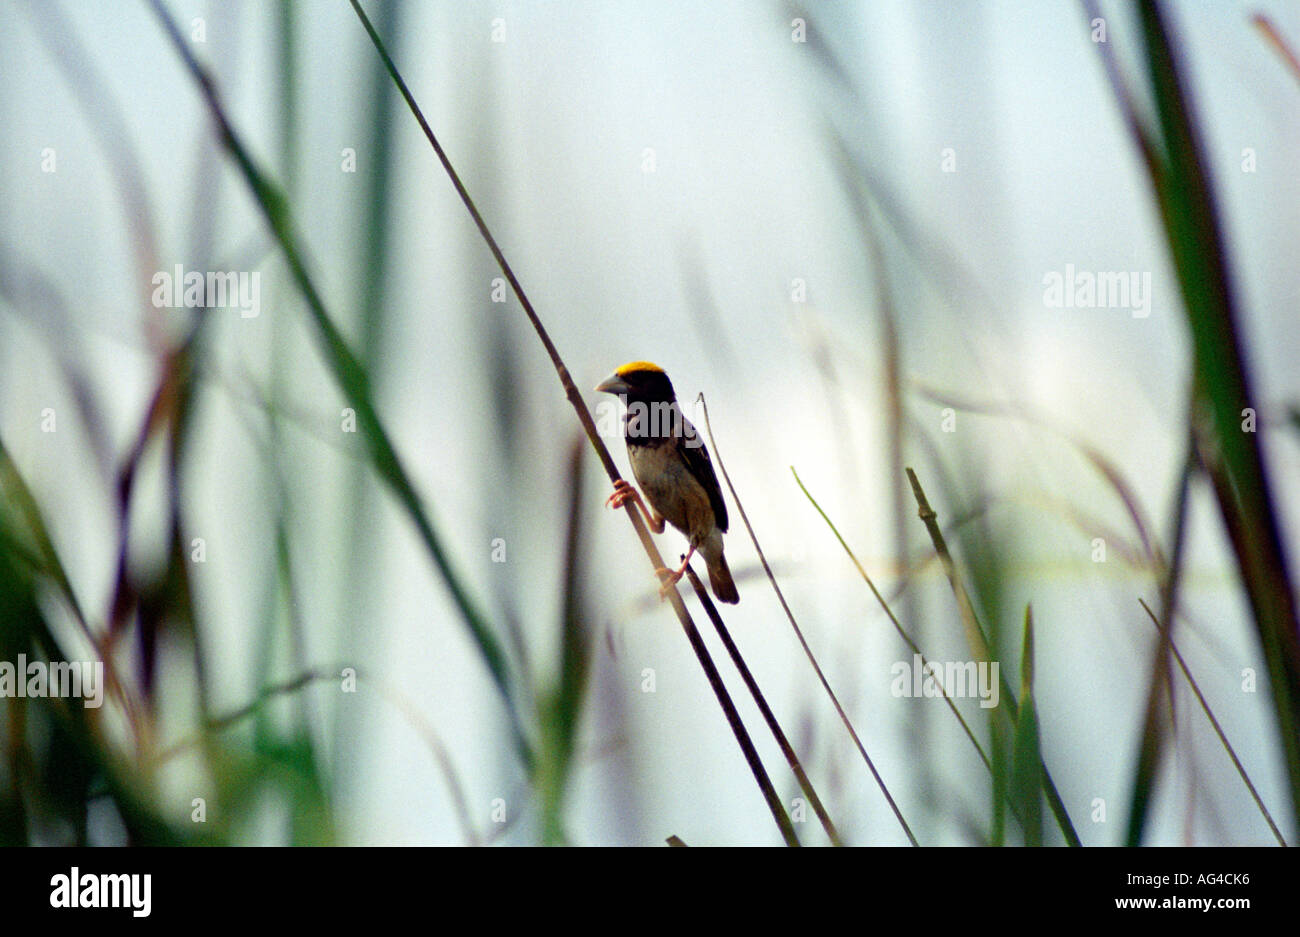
[(613, 385)]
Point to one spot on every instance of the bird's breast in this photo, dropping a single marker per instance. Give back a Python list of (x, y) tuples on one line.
[(671, 489)]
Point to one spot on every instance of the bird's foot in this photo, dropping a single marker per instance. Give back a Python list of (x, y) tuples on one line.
[(671, 577), (623, 493)]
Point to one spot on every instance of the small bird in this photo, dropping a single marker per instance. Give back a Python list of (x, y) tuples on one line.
[(673, 468)]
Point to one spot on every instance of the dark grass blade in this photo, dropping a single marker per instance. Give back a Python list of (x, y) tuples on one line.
[(773, 724)]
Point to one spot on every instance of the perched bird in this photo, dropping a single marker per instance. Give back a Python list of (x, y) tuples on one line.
[(673, 468)]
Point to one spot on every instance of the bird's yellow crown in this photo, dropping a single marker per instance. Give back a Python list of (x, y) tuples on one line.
[(634, 366)]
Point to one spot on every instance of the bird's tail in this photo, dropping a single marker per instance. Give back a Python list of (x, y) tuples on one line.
[(724, 587)]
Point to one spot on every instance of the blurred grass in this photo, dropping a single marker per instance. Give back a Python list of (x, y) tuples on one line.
[(58, 760), (355, 382)]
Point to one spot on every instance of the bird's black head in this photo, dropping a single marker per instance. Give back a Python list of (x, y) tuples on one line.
[(639, 381)]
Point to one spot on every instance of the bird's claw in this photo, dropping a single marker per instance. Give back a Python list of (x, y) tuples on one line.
[(623, 493), (670, 579)]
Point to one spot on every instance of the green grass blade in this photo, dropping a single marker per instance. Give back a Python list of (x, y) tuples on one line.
[(562, 710), (1027, 760)]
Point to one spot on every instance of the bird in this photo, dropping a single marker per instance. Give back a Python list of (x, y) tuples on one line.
[(673, 468)]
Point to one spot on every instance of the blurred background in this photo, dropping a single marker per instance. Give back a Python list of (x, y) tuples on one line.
[(839, 222)]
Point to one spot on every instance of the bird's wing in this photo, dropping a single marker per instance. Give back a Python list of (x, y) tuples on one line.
[(700, 466)]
